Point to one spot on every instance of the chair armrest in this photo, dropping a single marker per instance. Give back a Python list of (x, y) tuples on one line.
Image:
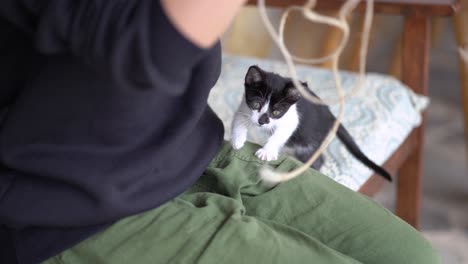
[(391, 7)]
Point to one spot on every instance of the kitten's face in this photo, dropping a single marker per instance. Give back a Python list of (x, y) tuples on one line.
[(269, 96)]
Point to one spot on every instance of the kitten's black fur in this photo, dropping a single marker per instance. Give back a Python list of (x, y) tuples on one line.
[(315, 120)]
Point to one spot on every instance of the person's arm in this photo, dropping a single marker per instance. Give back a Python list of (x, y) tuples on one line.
[(138, 42), (202, 21), (133, 40)]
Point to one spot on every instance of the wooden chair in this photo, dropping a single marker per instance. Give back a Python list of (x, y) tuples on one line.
[(407, 160)]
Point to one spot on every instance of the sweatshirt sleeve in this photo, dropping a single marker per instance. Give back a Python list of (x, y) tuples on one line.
[(132, 40)]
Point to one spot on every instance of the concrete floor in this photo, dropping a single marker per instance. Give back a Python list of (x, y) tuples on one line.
[(445, 187)]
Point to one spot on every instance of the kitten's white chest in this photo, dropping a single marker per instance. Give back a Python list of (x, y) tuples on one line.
[(280, 130)]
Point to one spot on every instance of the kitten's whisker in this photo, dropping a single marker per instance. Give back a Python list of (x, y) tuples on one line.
[(247, 122), (242, 114)]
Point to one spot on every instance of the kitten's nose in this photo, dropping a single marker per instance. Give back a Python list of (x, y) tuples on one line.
[(263, 120)]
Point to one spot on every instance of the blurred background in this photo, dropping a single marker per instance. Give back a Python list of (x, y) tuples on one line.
[(444, 219)]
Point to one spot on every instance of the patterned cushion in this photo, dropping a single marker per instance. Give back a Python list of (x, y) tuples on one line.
[(379, 117)]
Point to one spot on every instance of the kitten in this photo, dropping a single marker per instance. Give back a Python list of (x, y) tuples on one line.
[(297, 127)]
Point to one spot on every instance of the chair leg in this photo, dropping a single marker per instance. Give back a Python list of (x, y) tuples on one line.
[(351, 62), (461, 31), (437, 27), (408, 197), (415, 68), (395, 64)]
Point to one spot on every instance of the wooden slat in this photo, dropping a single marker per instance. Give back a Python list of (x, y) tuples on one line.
[(392, 165), (372, 186), (405, 7)]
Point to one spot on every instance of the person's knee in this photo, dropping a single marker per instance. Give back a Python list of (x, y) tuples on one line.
[(425, 253), (394, 241), (415, 249)]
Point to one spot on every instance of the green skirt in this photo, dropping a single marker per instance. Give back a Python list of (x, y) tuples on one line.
[(228, 216)]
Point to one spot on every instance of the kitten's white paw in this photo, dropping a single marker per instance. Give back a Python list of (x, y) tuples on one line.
[(267, 155), (238, 142)]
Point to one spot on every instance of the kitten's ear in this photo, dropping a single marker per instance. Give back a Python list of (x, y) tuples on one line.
[(254, 75), (292, 93)]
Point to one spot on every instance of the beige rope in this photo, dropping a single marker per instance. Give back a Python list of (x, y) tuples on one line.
[(341, 23)]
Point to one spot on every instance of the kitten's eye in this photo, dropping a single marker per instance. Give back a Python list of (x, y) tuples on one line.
[(276, 113), (256, 105)]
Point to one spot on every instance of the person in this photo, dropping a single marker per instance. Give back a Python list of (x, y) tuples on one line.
[(110, 154)]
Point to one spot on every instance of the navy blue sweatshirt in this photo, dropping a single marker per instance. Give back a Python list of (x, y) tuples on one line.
[(104, 114)]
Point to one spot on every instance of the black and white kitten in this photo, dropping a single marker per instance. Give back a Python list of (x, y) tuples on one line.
[(297, 127)]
